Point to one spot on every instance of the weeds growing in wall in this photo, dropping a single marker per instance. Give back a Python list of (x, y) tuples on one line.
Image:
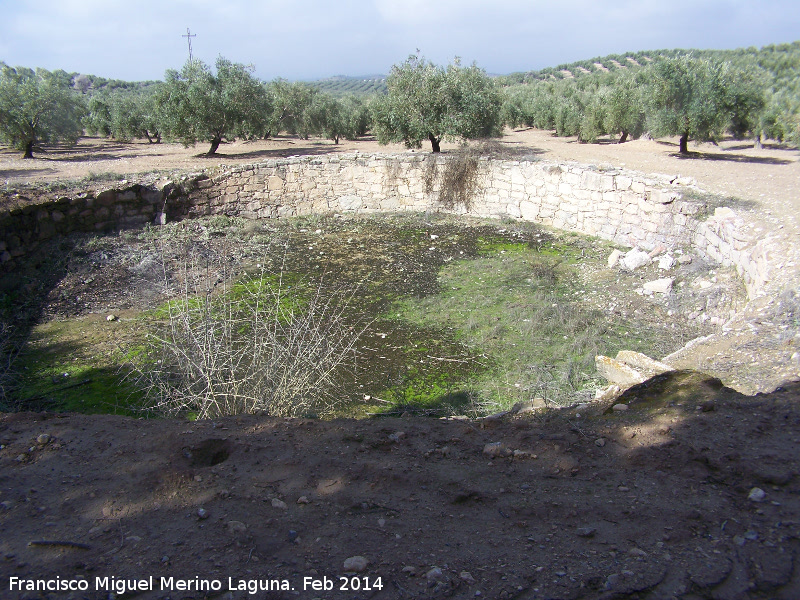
[(457, 180)]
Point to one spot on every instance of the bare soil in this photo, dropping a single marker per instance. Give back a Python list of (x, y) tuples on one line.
[(652, 502), (657, 501)]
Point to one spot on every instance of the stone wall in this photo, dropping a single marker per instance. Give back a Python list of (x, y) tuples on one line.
[(628, 208)]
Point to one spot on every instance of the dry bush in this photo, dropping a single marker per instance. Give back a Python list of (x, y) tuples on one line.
[(458, 180), (250, 347)]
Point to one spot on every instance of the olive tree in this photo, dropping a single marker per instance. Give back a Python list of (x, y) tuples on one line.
[(429, 102), (625, 111), (292, 108), (695, 98), (198, 105), (38, 107)]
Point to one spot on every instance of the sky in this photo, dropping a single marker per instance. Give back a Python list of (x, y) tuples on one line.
[(311, 39)]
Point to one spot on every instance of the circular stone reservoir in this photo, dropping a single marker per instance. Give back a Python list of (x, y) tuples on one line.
[(465, 301)]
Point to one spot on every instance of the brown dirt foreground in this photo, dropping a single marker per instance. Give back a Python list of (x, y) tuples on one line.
[(693, 492)]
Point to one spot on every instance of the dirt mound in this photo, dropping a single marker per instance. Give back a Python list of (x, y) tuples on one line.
[(692, 492)]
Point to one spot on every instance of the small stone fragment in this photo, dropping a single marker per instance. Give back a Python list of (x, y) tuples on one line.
[(494, 449), (355, 564), (637, 552), (434, 574), (685, 259), (43, 438), (586, 532), (757, 495), (666, 262), (303, 500), (617, 372), (202, 513), (280, 504), (111, 318), (600, 442), (237, 526), (467, 577), (607, 393), (613, 258), (397, 436), (723, 212), (619, 407), (634, 259), (659, 286), (409, 569)]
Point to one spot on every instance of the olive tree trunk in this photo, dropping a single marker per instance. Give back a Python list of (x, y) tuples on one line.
[(435, 142)]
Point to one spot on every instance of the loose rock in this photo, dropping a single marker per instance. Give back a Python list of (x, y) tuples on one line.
[(494, 449), (634, 259), (237, 526), (617, 372), (613, 258), (659, 286), (355, 564), (757, 495), (280, 504), (434, 574)]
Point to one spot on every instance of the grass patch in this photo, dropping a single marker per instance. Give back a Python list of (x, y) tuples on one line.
[(74, 366), (517, 306)]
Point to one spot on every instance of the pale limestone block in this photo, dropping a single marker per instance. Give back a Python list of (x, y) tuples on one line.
[(529, 210)]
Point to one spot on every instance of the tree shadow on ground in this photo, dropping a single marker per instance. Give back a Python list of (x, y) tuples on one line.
[(9, 173), (305, 150), (739, 158)]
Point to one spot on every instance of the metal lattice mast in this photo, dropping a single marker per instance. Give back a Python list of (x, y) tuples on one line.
[(189, 35)]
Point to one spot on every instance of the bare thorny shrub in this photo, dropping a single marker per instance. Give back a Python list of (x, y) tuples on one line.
[(255, 346)]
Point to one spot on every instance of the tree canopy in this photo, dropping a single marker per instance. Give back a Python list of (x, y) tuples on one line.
[(37, 107), (697, 98), (429, 102), (198, 105)]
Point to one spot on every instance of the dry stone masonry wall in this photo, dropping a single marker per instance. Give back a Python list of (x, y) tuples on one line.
[(625, 207)]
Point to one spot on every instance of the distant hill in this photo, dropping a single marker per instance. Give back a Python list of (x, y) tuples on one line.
[(780, 60), (339, 85)]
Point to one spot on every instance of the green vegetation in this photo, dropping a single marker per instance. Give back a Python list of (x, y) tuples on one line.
[(79, 373), (516, 308), (198, 105), (428, 102), (694, 94), (452, 318), (697, 94), (342, 85), (37, 107)]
